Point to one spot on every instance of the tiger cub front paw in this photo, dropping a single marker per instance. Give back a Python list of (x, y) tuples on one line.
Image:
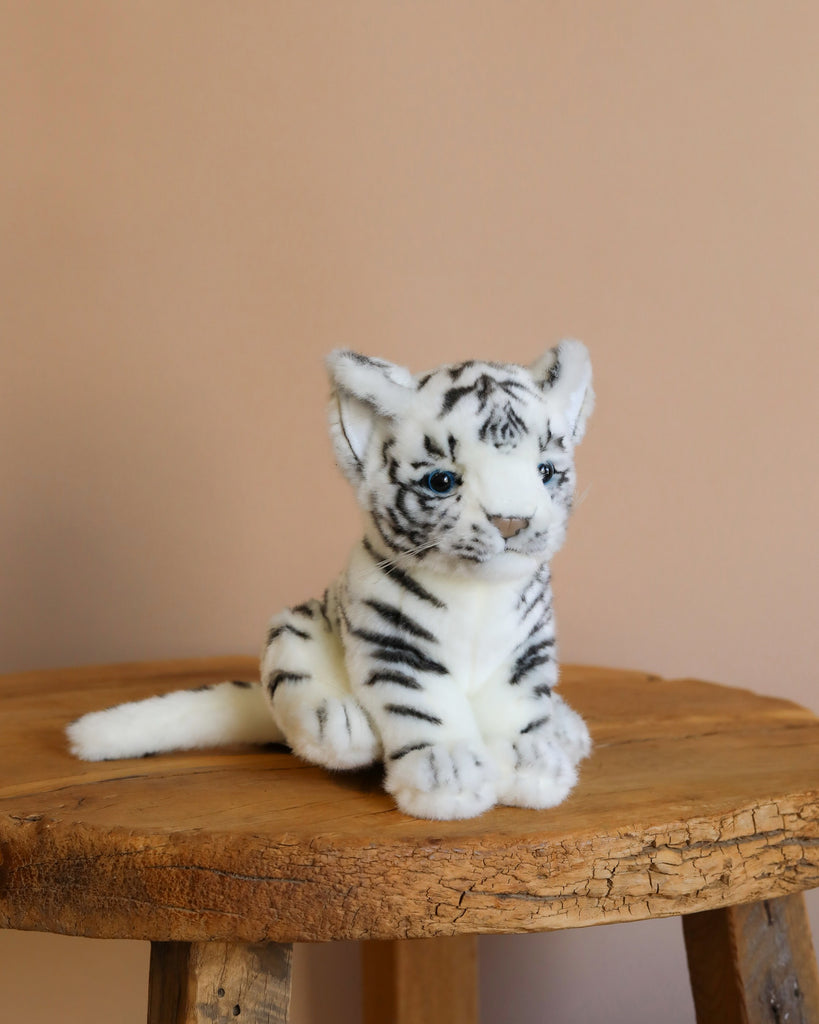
[(333, 731), (534, 771), (444, 782)]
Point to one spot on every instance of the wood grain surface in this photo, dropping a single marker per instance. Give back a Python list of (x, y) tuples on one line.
[(753, 964), (208, 982), (420, 981), (696, 796)]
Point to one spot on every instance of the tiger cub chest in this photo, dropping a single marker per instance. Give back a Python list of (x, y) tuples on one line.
[(470, 626), (480, 628)]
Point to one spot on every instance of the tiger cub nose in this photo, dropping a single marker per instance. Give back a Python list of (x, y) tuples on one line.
[(508, 526)]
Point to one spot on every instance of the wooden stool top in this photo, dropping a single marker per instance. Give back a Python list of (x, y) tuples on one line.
[(696, 796)]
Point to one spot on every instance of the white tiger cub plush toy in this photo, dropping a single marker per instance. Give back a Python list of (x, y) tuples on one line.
[(434, 650)]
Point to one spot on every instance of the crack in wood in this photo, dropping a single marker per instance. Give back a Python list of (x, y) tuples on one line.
[(237, 876)]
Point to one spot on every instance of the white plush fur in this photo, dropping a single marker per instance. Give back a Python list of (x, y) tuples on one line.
[(182, 720), (434, 650)]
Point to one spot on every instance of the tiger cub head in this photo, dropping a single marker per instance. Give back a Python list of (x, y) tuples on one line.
[(469, 467)]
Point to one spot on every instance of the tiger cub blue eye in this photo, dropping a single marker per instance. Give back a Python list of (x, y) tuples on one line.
[(547, 471), (440, 481)]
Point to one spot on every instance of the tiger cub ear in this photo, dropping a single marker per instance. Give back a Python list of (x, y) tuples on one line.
[(364, 391), (564, 374)]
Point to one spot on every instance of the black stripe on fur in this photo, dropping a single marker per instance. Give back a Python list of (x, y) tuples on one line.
[(408, 712), (536, 724), (399, 652), (400, 678), (276, 631), (401, 578), (408, 749), (284, 677), (397, 618), (536, 654)]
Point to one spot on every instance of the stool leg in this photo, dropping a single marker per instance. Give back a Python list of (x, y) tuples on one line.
[(421, 981), (753, 964), (207, 982)]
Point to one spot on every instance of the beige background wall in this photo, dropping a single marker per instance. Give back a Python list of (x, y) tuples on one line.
[(197, 200)]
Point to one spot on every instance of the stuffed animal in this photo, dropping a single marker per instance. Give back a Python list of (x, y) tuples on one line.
[(434, 650)]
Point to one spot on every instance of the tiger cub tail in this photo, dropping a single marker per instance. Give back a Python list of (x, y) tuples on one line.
[(210, 716)]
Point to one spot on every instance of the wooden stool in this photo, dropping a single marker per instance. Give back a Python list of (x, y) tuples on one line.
[(698, 800)]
